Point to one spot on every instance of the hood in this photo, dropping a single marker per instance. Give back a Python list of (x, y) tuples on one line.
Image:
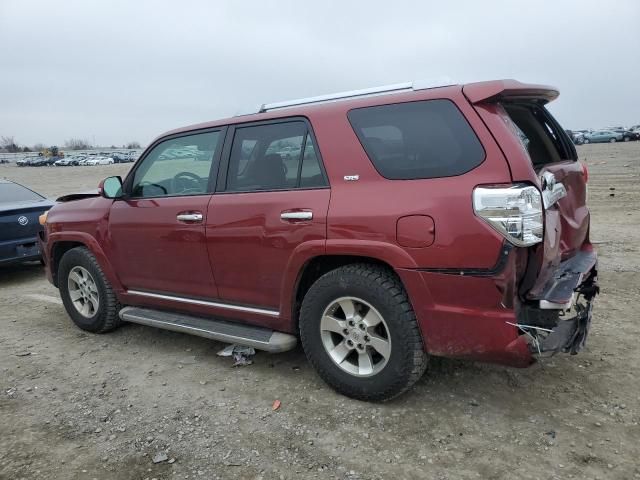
[(70, 197)]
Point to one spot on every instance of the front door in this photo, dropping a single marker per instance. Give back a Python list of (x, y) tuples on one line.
[(157, 232), (275, 198)]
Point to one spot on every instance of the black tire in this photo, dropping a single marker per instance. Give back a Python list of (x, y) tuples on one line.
[(106, 316), (626, 139), (382, 289)]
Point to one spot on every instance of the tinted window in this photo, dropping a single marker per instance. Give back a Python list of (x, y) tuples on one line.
[(276, 156), (179, 166), (11, 192), (425, 139)]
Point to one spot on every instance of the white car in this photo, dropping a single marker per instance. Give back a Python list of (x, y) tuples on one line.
[(99, 161)]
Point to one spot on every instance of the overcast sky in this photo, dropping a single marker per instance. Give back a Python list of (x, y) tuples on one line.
[(117, 71)]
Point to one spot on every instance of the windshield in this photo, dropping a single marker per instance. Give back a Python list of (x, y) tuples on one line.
[(12, 193)]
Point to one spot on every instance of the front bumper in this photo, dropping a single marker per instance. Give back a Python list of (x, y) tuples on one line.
[(19, 250)]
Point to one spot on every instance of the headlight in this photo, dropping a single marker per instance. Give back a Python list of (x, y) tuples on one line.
[(515, 212)]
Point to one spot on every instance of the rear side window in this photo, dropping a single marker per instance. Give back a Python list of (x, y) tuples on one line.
[(426, 139), (278, 156)]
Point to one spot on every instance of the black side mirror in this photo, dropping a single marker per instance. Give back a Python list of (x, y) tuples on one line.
[(111, 187)]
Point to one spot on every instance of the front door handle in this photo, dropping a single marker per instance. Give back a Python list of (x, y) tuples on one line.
[(190, 217), (293, 215)]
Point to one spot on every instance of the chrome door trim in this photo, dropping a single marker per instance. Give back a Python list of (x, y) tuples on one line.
[(206, 303), (296, 215)]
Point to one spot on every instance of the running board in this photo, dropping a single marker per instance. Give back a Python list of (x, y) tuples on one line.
[(221, 330)]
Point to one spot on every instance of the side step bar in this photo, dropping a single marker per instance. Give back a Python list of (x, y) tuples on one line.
[(221, 330)]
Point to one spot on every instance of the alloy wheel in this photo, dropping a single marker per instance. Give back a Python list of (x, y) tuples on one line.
[(355, 336), (83, 291)]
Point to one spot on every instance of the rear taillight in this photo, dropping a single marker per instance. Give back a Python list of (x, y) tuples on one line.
[(585, 172), (515, 212)]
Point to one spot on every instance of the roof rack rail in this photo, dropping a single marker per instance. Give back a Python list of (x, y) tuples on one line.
[(398, 87)]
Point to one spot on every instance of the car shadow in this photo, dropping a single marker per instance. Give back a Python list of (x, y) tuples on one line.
[(17, 273)]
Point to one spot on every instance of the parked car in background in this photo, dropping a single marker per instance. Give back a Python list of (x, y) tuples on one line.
[(415, 222), (576, 136), (627, 135), (99, 160), (603, 136), (72, 160), (20, 208)]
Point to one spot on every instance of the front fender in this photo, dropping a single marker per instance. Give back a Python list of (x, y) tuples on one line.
[(94, 247)]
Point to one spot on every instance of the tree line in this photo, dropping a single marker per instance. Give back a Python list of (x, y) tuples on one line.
[(8, 144)]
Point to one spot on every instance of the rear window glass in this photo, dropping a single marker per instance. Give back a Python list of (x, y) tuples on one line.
[(426, 139), (11, 192), (539, 134)]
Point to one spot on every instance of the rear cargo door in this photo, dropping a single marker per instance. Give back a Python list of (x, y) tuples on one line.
[(560, 177)]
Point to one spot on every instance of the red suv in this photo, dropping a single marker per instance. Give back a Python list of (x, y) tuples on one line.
[(379, 226)]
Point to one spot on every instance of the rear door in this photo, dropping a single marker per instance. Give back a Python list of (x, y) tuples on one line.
[(561, 179), (157, 231), (273, 198)]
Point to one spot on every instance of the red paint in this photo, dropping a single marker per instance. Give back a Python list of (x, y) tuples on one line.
[(244, 253)]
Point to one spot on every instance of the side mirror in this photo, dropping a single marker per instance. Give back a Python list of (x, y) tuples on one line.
[(111, 187)]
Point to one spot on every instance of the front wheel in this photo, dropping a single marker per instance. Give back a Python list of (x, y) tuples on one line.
[(360, 333), (586, 140), (626, 139), (613, 140), (86, 293)]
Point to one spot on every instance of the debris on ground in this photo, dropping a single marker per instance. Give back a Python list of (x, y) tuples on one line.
[(242, 355), (23, 354), (160, 457), (276, 405)]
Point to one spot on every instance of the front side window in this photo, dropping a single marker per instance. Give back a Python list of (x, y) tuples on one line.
[(278, 156), (178, 166), (425, 139)]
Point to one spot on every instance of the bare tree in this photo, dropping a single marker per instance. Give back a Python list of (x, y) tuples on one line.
[(9, 144), (77, 144), (132, 145), (39, 147)]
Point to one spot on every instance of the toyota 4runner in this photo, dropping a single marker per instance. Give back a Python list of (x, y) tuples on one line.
[(380, 227)]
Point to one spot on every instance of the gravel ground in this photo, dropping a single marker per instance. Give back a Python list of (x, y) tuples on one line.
[(76, 405)]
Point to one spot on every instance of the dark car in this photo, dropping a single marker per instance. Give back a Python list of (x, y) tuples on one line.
[(20, 208), (404, 222), (627, 135)]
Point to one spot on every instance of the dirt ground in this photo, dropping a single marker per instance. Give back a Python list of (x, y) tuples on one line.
[(80, 406)]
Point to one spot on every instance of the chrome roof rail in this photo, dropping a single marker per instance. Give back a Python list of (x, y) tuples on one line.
[(398, 87)]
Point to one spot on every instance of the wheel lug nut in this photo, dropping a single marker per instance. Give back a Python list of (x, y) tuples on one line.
[(345, 331), (366, 338), (360, 346), (362, 327), (350, 343)]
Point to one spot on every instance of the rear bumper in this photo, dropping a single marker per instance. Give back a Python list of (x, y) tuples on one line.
[(480, 317), (19, 250)]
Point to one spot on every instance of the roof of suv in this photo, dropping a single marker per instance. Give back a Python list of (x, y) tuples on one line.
[(475, 92)]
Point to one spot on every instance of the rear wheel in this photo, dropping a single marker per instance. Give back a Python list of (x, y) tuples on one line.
[(586, 140), (86, 293), (613, 140), (626, 139), (360, 333)]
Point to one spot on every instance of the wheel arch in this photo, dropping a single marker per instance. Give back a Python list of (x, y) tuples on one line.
[(319, 265), (62, 242)]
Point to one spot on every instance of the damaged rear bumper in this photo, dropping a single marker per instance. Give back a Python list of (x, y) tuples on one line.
[(561, 322)]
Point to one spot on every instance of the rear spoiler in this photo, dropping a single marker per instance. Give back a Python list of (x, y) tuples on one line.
[(487, 92)]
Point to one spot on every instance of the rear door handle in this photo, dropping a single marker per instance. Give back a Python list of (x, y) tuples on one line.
[(293, 215), (190, 217)]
